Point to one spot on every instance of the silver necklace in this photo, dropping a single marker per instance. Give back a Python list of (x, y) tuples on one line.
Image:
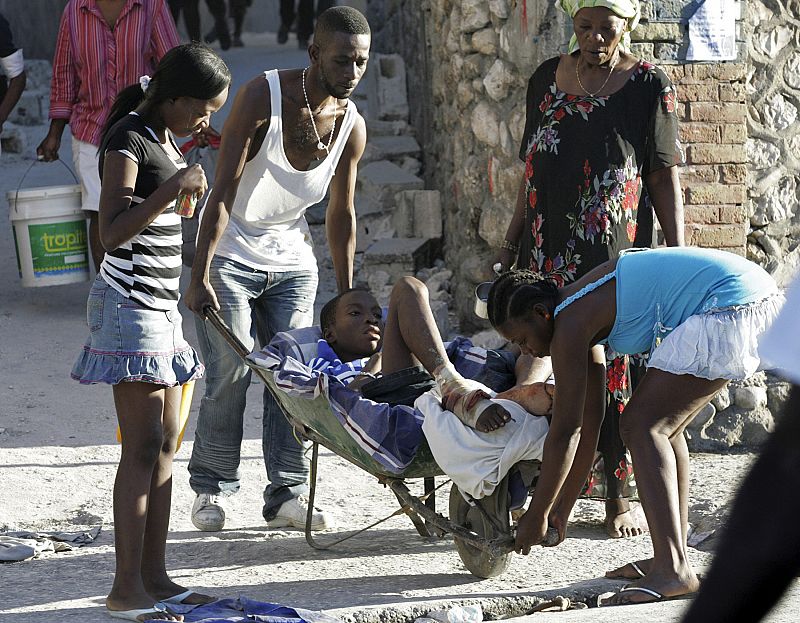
[(320, 144), (602, 86)]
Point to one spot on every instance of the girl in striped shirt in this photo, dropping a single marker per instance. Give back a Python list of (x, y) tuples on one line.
[(136, 341)]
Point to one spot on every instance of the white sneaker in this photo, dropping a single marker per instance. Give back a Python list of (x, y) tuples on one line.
[(292, 513), (208, 513)]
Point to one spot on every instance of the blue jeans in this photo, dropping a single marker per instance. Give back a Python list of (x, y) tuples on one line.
[(253, 304)]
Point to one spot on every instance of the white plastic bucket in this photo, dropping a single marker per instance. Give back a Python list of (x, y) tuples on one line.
[(49, 235)]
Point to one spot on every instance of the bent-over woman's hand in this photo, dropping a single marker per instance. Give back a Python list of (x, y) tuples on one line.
[(531, 530), (558, 528)]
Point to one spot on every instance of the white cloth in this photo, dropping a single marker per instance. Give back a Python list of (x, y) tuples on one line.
[(84, 156), (13, 64), (720, 344), (476, 461), (780, 346), (267, 229)]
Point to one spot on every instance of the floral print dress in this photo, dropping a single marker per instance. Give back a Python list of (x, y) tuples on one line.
[(585, 161)]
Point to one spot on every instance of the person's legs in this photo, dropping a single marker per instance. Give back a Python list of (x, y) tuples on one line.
[(84, 157), (621, 380), (286, 303), (759, 553), (324, 5), (214, 465), (659, 409), (153, 569), (305, 22), (238, 10), (217, 9), (140, 409), (175, 7), (287, 19), (191, 17), (410, 334), (640, 568)]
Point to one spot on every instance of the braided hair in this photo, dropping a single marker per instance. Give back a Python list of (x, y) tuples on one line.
[(515, 292)]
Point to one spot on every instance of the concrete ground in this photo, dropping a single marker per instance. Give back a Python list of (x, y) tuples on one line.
[(58, 457)]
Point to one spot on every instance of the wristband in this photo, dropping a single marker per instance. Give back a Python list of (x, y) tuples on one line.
[(510, 246)]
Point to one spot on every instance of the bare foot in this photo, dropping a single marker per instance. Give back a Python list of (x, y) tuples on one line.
[(620, 522), (492, 418), (631, 570), (655, 588)]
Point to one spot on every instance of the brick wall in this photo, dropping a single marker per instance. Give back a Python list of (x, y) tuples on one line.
[(712, 111), (713, 130)]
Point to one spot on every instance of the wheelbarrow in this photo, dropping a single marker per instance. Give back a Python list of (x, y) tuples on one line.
[(481, 528)]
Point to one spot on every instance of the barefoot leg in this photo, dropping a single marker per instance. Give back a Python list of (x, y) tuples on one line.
[(661, 407), (411, 333), (139, 411), (681, 450), (153, 569)]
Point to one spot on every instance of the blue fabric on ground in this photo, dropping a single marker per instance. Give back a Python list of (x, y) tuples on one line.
[(242, 609)]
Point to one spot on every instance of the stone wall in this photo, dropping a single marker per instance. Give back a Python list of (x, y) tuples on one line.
[(468, 62), (773, 146), (468, 76)]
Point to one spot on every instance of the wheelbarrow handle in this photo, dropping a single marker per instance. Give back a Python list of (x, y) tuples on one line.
[(212, 315)]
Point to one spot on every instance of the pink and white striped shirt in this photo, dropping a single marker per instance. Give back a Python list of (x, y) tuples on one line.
[(94, 62)]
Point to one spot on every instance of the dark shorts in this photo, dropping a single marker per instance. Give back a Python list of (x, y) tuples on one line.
[(405, 386), (399, 388)]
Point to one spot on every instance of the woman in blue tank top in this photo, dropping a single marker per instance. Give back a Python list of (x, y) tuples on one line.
[(699, 313)]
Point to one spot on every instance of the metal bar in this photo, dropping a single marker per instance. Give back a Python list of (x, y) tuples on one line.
[(496, 547), (422, 529)]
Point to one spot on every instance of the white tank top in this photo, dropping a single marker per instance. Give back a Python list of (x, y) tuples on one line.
[(267, 229)]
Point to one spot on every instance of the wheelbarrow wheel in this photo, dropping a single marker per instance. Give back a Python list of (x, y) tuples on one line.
[(491, 523)]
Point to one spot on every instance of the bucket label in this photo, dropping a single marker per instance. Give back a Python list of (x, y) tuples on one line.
[(58, 248)]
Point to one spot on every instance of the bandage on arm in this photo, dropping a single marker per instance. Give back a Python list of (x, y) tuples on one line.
[(465, 398)]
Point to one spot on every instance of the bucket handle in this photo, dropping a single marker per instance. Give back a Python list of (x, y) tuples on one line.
[(28, 170)]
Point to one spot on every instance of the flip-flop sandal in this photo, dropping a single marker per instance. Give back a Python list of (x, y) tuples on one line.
[(630, 589), (177, 600), (648, 591), (635, 566), (133, 615)]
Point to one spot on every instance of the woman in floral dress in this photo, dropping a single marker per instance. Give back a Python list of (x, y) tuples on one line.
[(600, 149)]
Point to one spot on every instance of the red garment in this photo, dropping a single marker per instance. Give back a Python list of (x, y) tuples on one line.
[(93, 63)]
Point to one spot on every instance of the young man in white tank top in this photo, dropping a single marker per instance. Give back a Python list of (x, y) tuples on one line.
[(290, 135)]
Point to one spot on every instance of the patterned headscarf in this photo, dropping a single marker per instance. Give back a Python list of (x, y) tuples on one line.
[(627, 9)]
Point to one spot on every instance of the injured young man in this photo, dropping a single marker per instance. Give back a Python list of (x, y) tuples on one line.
[(479, 422)]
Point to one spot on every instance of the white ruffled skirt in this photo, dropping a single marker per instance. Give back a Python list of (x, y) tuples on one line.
[(718, 344)]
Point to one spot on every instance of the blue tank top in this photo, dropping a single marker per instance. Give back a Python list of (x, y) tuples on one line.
[(658, 289)]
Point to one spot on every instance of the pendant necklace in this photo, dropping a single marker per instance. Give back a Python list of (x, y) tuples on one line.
[(602, 86), (320, 144)]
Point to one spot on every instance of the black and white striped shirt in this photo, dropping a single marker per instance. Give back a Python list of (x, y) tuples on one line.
[(146, 268)]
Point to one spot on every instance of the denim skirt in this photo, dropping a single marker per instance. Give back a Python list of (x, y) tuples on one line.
[(131, 343)]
